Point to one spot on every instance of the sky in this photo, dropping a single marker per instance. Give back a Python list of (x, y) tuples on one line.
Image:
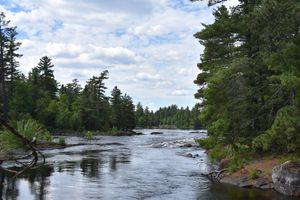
[(146, 45)]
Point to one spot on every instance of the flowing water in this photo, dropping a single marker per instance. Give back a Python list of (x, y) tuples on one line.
[(129, 167)]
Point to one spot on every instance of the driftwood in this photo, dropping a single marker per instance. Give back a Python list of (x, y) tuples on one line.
[(34, 154), (215, 175)]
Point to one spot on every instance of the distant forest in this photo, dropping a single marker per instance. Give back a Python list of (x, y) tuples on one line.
[(168, 117)]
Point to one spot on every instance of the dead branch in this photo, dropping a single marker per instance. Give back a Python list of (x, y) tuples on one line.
[(215, 175)]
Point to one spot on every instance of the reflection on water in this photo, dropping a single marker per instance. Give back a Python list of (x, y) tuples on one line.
[(132, 169), (38, 180)]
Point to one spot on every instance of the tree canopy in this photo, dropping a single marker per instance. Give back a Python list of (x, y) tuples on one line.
[(249, 85)]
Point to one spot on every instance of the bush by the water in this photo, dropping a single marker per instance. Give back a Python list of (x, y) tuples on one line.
[(62, 141), (237, 153), (29, 129), (89, 135)]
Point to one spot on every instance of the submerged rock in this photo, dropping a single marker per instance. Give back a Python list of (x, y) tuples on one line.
[(157, 133), (286, 178), (189, 155), (195, 132), (186, 145)]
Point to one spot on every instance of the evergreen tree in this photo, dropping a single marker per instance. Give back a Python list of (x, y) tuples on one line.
[(11, 57), (249, 77), (95, 109), (116, 105), (128, 115), (46, 76), (3, 65)]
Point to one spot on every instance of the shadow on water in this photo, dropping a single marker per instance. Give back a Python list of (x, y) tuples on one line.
[(37, 179), (218, 191), (34, 184)]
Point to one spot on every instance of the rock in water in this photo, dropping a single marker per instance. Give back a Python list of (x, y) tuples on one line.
[(286, 178), (157, 133)]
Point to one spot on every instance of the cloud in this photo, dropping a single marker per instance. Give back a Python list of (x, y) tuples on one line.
[(147, 77), (180, 93), (147, 45)]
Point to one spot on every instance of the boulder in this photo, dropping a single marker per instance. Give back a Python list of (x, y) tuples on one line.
[(286, 178)]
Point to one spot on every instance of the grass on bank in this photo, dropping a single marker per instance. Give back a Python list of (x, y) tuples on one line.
[(239, 155)]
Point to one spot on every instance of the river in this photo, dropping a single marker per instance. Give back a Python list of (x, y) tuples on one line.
[(129, 167)]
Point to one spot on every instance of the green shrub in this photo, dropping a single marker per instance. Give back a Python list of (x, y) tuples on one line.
[(207, 143), (8, 141), (89, 135), (237, 163), (29, 129), (114, 130), (253, 174), (283, 136), (48, 137), (217, 153), (62, 141)]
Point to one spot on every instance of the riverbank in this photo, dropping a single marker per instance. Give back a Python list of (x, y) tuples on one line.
[(260, 173), (256, 174)]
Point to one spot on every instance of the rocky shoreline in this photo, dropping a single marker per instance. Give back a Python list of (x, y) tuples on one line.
[(283, 178)]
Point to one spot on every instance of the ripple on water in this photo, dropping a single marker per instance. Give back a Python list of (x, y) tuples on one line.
[(126, 168)]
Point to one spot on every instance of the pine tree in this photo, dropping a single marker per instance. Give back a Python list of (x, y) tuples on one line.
[(249, 77), (8, 62), (95, 109), (128, 115), (116, 105), (46, 76), (3, 68), (11, 57)]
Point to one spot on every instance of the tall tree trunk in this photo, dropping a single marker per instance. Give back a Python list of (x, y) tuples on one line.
[(3, 94)]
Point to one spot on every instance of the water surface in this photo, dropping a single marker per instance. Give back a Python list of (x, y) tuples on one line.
[(133, 167)]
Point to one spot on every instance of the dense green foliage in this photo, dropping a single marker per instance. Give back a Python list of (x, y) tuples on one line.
[(250, 75), (168, 117), (8, 63)]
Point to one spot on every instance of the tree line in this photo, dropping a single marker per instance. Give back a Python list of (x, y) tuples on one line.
[(249, 84), (70, 106), (168, 117), (59, 107)]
